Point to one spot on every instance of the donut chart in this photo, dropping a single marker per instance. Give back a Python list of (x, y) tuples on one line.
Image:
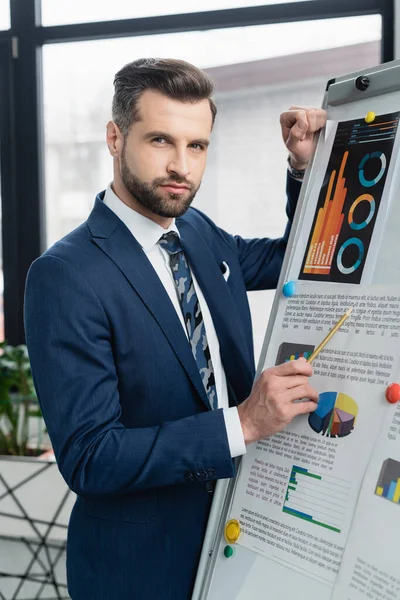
[(351, 242), (335, 416), (372, 208), (371, 182)]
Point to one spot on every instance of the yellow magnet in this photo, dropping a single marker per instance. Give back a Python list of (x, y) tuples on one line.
[(370, 117), (232, 531)]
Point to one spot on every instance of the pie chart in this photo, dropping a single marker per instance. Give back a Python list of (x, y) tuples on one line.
[(335, 416)]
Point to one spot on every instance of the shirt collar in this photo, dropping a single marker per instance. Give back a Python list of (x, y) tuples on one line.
[(146, 231)]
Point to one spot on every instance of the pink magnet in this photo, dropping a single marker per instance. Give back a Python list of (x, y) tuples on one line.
[(393, 393)]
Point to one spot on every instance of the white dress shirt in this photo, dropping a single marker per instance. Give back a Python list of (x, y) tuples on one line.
[(148, 233)]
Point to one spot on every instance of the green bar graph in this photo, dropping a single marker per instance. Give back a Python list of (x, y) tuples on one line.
[(317, 498)]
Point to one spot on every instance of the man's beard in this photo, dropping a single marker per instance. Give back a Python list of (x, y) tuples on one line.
[(170, 205)]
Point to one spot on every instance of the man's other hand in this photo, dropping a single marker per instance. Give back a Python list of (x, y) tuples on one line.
[(270, 406), (298, 128)]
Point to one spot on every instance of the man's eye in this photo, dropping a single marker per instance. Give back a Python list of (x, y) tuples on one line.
[(160, 140), (197, 146)]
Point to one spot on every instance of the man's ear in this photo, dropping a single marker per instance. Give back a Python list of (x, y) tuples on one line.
[(115, 139)]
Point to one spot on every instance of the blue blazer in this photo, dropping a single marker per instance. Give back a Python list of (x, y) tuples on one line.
[(123, 400)]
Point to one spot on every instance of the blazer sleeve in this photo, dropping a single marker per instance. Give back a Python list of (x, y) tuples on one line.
[(69, 341), (261, 258)]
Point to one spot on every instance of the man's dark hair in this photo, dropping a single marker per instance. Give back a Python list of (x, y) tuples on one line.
[(176, 79)]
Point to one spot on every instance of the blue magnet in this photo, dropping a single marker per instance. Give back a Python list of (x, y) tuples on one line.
[(289, 289)]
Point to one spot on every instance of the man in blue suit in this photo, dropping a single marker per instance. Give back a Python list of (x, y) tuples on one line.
[(140, 339)]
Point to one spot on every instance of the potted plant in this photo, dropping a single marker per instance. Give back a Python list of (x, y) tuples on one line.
[(22, 430), (35, 502)]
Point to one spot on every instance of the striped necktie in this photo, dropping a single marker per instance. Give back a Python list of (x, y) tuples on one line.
[(191, 313)]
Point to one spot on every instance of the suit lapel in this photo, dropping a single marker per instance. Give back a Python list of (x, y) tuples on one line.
[(115, 239), (226, 319)]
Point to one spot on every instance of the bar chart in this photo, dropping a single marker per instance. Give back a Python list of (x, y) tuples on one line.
[(328, 224), (388, 485), (289, 351), (363, 133), (317, 498)]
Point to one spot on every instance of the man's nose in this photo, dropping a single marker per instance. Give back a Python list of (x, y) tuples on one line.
[(179, 164)]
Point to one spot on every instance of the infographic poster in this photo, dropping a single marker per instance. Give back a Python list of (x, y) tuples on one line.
[(349, 200), (297, 490)]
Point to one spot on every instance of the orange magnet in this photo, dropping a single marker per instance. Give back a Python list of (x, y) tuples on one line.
[(370, 117), (232, 531), (393, 393)]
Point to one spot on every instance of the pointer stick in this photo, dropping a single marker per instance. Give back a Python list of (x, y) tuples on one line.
[(330, 335)]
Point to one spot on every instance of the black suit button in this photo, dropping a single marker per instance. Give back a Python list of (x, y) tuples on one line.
[(210, 472), (210, 487), (201, 475), (189, 477)]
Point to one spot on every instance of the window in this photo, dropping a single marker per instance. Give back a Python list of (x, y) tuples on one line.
[(259, 72), (4, 14), (80, 11)]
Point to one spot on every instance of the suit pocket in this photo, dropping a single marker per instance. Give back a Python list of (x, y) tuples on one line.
[(133, 508)]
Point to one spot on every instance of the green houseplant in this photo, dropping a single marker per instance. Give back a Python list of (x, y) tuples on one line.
[(19, 409), (33, 494)]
